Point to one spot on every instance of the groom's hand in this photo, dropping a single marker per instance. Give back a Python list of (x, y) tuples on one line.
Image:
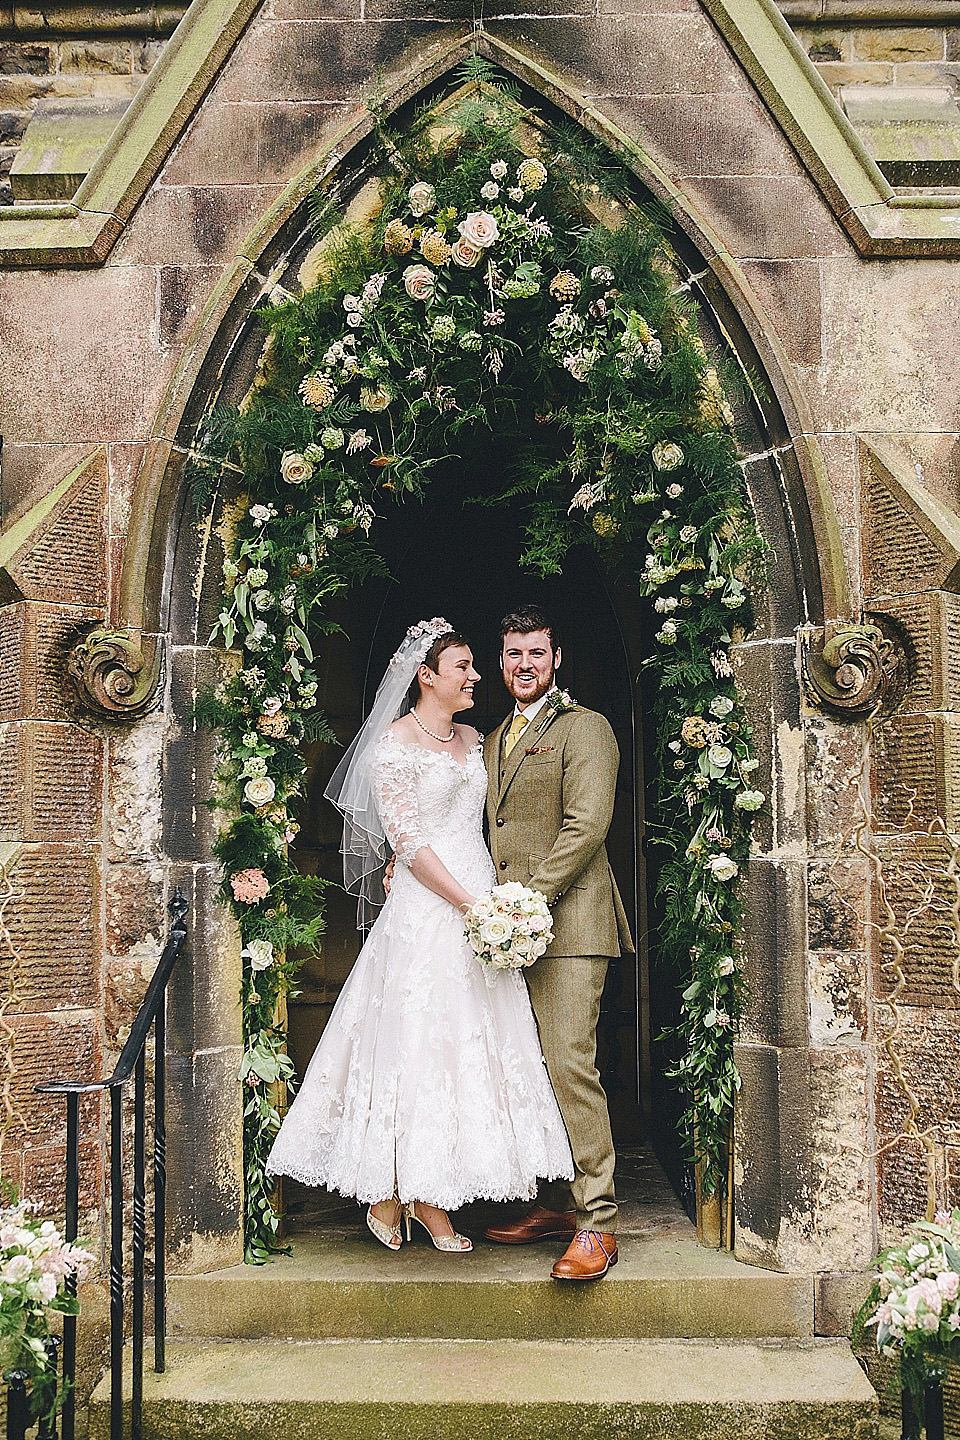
[(388, 875)]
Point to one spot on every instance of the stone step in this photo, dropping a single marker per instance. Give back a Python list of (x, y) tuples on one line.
[(346, 1286), (487, 1390)]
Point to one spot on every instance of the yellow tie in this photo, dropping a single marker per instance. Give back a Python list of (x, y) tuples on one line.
[(517, 727)]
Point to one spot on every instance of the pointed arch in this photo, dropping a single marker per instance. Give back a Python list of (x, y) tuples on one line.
[(788, 476)]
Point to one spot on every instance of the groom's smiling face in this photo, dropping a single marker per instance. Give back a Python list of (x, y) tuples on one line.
[(528, 663)]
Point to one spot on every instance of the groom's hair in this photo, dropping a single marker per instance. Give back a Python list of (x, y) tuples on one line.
[(527, 619)]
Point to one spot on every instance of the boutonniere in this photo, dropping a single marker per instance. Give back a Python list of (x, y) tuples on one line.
[(560, 701)]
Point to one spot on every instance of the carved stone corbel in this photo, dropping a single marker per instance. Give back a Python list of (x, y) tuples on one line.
[(856, 671), (115, 674)]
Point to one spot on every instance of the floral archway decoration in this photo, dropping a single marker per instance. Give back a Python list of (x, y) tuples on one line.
[(482, 282)]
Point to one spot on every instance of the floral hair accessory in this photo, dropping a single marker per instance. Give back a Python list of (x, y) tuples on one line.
[(423, 633)]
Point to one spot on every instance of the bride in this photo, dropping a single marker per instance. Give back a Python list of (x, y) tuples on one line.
[(428, 1087)]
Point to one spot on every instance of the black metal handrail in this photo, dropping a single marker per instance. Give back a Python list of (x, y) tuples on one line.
[(132, 1061)]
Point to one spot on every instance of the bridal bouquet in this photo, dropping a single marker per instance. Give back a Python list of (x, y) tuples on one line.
[(510, 927)]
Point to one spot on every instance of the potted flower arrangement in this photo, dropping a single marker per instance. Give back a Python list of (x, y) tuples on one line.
[(914, 1303), (36, 1264)]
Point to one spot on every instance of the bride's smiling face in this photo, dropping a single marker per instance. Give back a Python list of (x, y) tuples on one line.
[(452, 682)]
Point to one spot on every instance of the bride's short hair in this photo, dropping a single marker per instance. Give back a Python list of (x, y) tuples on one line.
[(432, 658)]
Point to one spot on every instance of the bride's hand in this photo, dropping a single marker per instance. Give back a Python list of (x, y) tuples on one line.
[(388, 875)]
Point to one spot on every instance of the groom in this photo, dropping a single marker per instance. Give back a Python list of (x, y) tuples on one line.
[(552, 773)]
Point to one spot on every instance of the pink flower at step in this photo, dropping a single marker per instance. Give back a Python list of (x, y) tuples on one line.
[(249, 886), (931, 1296), (948, 1283)]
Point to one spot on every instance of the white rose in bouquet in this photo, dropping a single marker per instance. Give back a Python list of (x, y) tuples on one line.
[(495, 929), (510, 927)]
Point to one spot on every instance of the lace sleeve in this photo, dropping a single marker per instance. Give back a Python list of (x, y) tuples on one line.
[(395, 786)]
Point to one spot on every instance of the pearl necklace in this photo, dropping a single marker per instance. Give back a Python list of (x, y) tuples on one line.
[(444, 739)]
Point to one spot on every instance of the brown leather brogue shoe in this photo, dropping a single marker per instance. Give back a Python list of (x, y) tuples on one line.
[(537, 1224), (589, 1256)]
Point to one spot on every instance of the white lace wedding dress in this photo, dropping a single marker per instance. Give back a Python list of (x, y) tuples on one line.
[(428, 1079)]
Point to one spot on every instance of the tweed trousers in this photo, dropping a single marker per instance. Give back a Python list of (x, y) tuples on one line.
[(565, 992)]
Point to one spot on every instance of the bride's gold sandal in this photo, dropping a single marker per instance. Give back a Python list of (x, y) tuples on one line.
[(452, 1244), (388, 1235)]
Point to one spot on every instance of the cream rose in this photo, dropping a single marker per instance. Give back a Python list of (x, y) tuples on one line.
[(419, 282), (479, 230), (464, 255), (259, 953), (495, 930), (374, 398), (422, 198), (259, 791), (667, 455), (722, 867), (295, 468)]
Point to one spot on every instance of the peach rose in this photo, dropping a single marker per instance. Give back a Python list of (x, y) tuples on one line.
[(419, 281)]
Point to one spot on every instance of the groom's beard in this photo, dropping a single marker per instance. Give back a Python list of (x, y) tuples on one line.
[(529, 696)]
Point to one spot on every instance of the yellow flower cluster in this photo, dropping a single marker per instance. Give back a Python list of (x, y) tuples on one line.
[(565, 286), (604, 525), (318, 390), (434, 248), (397, 238)]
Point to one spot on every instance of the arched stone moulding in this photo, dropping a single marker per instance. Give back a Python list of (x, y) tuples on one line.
[(158, 496), (158, 595)]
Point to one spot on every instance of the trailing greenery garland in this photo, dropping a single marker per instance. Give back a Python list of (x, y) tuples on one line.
[(480, 284)]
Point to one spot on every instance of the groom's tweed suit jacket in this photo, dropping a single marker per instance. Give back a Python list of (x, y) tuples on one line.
[(549, 806)]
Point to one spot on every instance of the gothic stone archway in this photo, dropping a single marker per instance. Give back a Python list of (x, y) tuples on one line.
[(774, 1054)]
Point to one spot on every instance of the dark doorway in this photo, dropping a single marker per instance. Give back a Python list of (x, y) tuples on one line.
[(460, 559)]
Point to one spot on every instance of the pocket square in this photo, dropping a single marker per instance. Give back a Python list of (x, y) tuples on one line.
[(539, 750)]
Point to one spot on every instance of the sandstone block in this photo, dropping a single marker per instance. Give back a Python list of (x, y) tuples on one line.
[(887, 43), (821, 44), (724, 134), (931, 623), (834, 756), (189, 754), (839, 73), (135, 918), (44, 1171), (54, 925), (22, 59), (183, 293), (916, 771), (197, 224), (920, 890), (291, 60), (46, 1048), (145, 56), (53, 775), (134, 791), (776, 218), (246, 144), (35, 641), (204, 1004), (836, 986), (90, 57), (652, 54), (774, 964), (789, 291), (926, 1043)]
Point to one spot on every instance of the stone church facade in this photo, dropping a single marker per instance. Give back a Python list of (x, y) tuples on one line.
[(159, 161)]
